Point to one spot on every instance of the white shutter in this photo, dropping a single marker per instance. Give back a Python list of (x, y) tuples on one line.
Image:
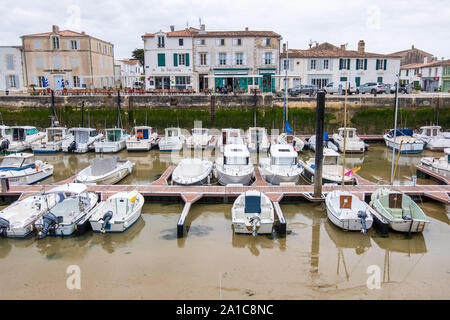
[(244, 59), (208, 59), (68, 47), (263, 59), (233, 62), (234, 41), (197, 59), (197, 42), (291, 64), (217, 42), (217, 59), (263, 41), (79, 48), (228, 58)]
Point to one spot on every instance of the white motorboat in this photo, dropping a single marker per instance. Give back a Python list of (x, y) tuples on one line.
[(17, 220), (402, 213), (327, 144), (22, 169), (52, 141), (353, 143), (348, 212), (441, 165), (331, 170), (200, 139), (117, 213), (105, 171), (435, 139), (235, 166), (173, 140), (229, 136), (405, 139), (286, 138), (252, 213), (281, 166), (143, 139), (114, 141), (22, 137), (82, 140), (71, 213), (192, 171), (257, 138)]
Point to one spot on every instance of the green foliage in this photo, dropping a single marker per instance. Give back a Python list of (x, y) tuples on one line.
[(139, 55)]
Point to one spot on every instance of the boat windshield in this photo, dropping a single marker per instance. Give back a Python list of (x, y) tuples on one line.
[(93, 133), (81, 136), (257, 135), (31, 131), (172, 133), (284, 161), (330, 160), (113, 135), (200, 131), (235, 160), (54, 134), (16, 162)]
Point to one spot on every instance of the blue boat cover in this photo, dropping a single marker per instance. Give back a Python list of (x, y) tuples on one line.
[(325, 136), (252, 204), (288, 129), (402, 132)]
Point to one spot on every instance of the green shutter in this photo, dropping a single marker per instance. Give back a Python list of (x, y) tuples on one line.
[(365, 64), (348, 64), (340, 64), (161, 60), (187, 59), (175, 60), (376, 64), (357, 64), (385, 63)]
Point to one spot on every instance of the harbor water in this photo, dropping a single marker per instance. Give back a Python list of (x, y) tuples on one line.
[(315, 260)]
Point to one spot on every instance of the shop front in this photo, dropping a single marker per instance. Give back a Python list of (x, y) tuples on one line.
[(234, 80), (430, 84), (268, 79)]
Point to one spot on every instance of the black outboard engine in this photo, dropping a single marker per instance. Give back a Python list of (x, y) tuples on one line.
[(50, 224), (4, 225), (362, 215), (106, 217), (4, 145), (72, 147)]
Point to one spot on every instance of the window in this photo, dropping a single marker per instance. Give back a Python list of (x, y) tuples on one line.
[(180, 42), (55, 41), (435, 72), (344, 64), (360, 64), (380, 79), (203, 59), (41, 82), (161, 60), (381, 64), (266, 42), (10, 62), (160, 41), (268, 58), (343, 79), (285, 64), (407, 72), (237, 42), (200, 42), (222, 59), (74, 44), (76, 82), (325, 63), (222, 42), (429, 71), (239, 58), (181, 59), (182, 80), (313, 64), (12, 81)]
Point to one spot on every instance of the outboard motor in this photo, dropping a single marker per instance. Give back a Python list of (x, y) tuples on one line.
[(72, 147), (255, 221), (362, 215), (106, 217), (4, 145), (50, 224), (4, 225)]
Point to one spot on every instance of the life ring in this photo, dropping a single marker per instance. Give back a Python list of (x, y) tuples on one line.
[(139, 135)]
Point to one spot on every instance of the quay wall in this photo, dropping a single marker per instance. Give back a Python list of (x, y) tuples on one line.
[(369, 114)]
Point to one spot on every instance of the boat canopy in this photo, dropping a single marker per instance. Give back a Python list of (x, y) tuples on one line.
[(283, 151), (430, 131), (74, 188), (173, 132), (144, 130), (55, 133), (113, 135), (200, 131), (101, 166), (351, 132), (252, 202), (402, 132), (236, 150)]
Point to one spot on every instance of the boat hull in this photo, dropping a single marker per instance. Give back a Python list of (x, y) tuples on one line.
[(277, 179), (29, 178), (112, 178), (348, 224), (240, 227), (406, 147), (224, 178), (110, 147), (116, 227), (139, 146)]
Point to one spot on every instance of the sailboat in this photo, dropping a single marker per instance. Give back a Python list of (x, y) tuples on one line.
[(400, 211)]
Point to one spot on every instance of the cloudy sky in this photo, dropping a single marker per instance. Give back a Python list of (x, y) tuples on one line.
[(386, 26)]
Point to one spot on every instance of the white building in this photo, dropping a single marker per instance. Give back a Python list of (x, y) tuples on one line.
[(129, 72), (11, 72), (426, 76), (327, 63), (168, 60)]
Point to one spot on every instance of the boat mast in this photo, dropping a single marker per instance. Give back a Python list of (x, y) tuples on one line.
[(395, 129), (345, 127), (119, 120), (285, 111)]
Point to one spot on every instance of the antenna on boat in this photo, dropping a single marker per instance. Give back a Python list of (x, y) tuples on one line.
[(395, 129)]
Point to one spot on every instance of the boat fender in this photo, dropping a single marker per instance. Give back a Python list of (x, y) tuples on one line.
[(4, 225), (106, 218), (362, 215), (50, 224)]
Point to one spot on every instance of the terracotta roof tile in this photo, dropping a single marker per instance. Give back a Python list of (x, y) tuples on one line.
[(426, 65), (63, 33), (250, 33), (177, 33), (131, 61)]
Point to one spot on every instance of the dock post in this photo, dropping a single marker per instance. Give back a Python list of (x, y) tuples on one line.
[(320, 114), (281, 227), (181, 224)]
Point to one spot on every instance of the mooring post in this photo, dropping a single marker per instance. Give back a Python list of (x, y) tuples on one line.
[(53, 108), (82, 114), (320, 114)]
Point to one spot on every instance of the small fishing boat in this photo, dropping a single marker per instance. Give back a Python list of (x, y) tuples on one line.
[(22, 169), (81, 141), (403, 137), (114, 141), (229, 136), (105, 171), (200, 139), (331, 170), (327, 144), (143, 139), (435, 139), (348, 212), (17, 220), (235, 166), (173, 140), (402, 213), (281, 166), (192, 171), (286, 138), (252, 213), (257, 139), (117, 213), (71, 213), (441, 165), (22, 137), (52, 141), (353, 143)]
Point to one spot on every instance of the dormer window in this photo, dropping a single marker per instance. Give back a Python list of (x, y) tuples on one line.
[(55, 41), (266, 42), (160, 41)]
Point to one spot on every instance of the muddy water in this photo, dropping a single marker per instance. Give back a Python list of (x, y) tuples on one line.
[(315, 260)]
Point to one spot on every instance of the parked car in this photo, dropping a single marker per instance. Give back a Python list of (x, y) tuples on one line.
[(339, 87), (307, 89), (373, 87)]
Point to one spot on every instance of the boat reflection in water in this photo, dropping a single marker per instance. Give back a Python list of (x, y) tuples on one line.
[(257, 244)]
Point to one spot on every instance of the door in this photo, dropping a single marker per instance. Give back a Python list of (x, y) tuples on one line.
[(358, 81), (58, 82)]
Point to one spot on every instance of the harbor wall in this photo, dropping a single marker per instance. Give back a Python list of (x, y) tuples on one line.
[(369, 114)]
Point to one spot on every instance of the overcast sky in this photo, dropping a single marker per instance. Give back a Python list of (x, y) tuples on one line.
[(386, 26)]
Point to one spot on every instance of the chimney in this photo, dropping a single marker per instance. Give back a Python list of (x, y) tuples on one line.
[(55, 29), (83, 33), (361, 46), (202, 27), (246, 28), (284, 47), (172, 28), (342, 46), (412, 47)]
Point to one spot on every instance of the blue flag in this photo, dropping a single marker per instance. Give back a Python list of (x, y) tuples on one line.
[(288, 129)]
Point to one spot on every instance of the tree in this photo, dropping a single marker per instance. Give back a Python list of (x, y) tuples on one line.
[(139, 55)]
